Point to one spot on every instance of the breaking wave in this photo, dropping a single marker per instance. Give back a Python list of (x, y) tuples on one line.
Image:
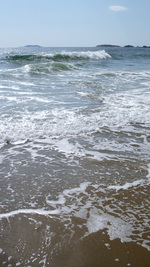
[(63, 56)]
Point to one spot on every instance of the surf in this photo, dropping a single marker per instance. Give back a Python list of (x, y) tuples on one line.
[(62, 56)]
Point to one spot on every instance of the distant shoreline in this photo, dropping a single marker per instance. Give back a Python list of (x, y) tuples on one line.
[(127, 46), (101, 45), (38, 46)]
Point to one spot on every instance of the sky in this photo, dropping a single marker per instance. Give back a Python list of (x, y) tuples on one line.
[(66, 23)]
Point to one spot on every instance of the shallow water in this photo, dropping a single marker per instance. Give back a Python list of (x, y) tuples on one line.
[(74, 156)]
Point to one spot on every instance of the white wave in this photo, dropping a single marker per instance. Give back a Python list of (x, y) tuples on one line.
[(101, 54), (26, 69), (27, 83), (20, 142), (60, 124), (89, 54), (9, 87)]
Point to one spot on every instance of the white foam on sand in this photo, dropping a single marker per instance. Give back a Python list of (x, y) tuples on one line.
[(97, 210), (29, 211), (117, 228), (68, 193), (127, 185), (58, 205), (80, 202)]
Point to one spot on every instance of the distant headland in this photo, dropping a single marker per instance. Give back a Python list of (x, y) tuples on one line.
[(101, 45), (107, 45), (38, 46), (127, 46)]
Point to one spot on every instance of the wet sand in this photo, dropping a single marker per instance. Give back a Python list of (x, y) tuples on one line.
[(95, 250), (63, 229)]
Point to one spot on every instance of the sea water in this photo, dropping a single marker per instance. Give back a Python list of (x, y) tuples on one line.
[(74, 153)]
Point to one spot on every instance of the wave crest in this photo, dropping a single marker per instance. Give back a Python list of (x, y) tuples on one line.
[(80, 55), (63, 56)]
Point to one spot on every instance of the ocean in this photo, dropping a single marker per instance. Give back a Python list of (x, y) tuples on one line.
[(75, 156)]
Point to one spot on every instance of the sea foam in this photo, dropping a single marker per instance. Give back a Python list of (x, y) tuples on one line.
[(126, 186), (29, 211)]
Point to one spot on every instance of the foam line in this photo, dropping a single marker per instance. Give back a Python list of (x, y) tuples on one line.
[(126, 185), (29, 211)]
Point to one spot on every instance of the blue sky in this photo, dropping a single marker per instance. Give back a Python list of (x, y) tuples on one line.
[(74, 23)]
